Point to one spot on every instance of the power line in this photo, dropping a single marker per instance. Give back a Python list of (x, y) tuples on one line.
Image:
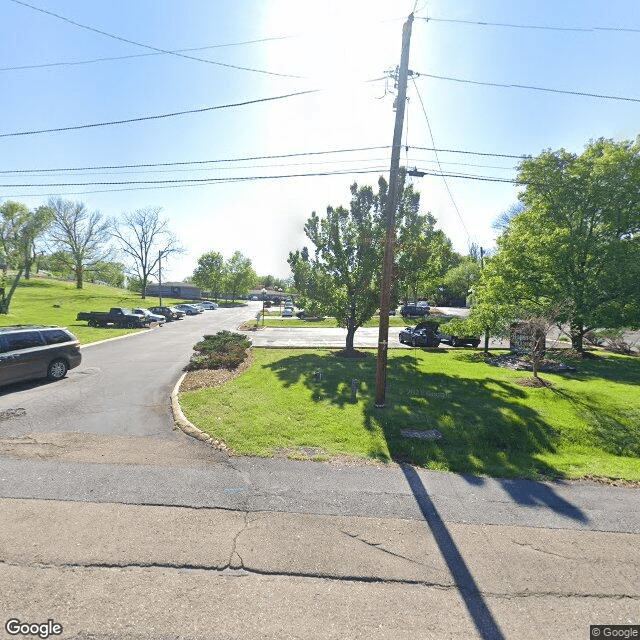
[(199, 180), (528, 26), (140, 55), (474, 153), (308, 163), (529, 87), (261, 157), (433, 142), (146, 46), (169, 184), (159, 116)]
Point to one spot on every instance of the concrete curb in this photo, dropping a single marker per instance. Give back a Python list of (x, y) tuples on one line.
[(181, 420), (126, 335)]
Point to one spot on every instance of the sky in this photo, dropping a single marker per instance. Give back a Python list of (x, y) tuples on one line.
[(100, 62)]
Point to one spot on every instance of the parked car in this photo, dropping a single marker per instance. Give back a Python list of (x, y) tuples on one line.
[(461, 341), (117, 316), (31, 352), (189, 309), (169, 313), (425, 334), (415, 310), (207, 305), (152, 317), (287, 312)]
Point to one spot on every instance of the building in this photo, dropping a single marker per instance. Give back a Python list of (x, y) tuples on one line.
[(174, 290)]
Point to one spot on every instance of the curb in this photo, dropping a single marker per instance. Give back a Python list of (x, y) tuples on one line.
[(126, 335), (181, 420)]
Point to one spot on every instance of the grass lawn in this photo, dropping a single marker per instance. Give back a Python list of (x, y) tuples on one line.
[(44, 301), (587, 423)]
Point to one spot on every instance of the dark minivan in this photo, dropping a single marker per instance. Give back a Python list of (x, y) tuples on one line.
[(27, 353)]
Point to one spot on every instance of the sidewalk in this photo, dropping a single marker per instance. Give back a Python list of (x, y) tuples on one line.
[(210, 573)]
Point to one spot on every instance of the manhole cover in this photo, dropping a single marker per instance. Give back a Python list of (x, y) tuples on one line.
[(7, 414), (431, 434)]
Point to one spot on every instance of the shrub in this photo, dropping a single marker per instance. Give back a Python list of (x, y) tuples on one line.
[(224, 350), (613, 340)]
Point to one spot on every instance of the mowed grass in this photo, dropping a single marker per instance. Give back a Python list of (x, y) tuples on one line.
[(45, 301), (586, 424)]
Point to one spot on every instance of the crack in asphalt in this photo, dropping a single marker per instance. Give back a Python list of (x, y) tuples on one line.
[(527, 545), (230, 571), (378, 547), (234, 545)]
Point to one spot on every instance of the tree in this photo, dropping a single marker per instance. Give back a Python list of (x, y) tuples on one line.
[(342, 279), (112, 273), (240, 274), (144, 238), (422, 251), (576, 244), (211, 273), (82, 236), (19, 231), (459, 280)]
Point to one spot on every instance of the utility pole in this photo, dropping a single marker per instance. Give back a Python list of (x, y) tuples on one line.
[(160, 276), (486, 329), (390, 217)]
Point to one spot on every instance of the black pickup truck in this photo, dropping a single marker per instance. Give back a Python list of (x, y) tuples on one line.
[(118, 316)]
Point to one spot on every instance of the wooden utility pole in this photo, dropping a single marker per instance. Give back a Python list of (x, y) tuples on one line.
[(390, 217)]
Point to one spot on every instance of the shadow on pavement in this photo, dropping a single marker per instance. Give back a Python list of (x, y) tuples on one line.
[(533, 494), (482, 618)]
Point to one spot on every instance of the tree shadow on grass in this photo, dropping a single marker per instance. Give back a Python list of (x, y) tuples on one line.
[(485, 425), (622, 369), (612, 429)]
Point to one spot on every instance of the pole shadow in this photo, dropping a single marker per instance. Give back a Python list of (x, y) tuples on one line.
[(482, 618)]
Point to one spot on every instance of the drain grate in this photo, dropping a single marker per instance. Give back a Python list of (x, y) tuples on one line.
[(431, 434)]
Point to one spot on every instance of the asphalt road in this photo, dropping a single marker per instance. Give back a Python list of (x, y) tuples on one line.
[(116, 525)]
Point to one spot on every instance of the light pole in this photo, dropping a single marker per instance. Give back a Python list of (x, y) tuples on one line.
[(160, 276), (264, 295)]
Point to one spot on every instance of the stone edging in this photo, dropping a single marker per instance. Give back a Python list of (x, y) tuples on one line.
[(186, 426)]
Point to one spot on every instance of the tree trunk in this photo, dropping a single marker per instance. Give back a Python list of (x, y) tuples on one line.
[(351, 332), (577, 334), (486, 340), (79, 275), (5, 302)]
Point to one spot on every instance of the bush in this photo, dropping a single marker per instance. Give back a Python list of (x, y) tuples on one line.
[(224, 350), (613, 340)]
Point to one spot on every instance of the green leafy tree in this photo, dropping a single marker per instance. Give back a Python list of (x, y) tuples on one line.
[(112, 273), (422, 253), (458, 281), (81, 235), (240, 274), (20, 229), (342, 278), (211, 273), (20, 233), (576, 244)]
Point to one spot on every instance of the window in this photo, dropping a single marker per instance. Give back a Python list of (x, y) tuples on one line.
[(56, 336), (22, 340)]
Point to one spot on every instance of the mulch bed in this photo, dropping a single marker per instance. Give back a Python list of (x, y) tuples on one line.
[(205, 378)]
